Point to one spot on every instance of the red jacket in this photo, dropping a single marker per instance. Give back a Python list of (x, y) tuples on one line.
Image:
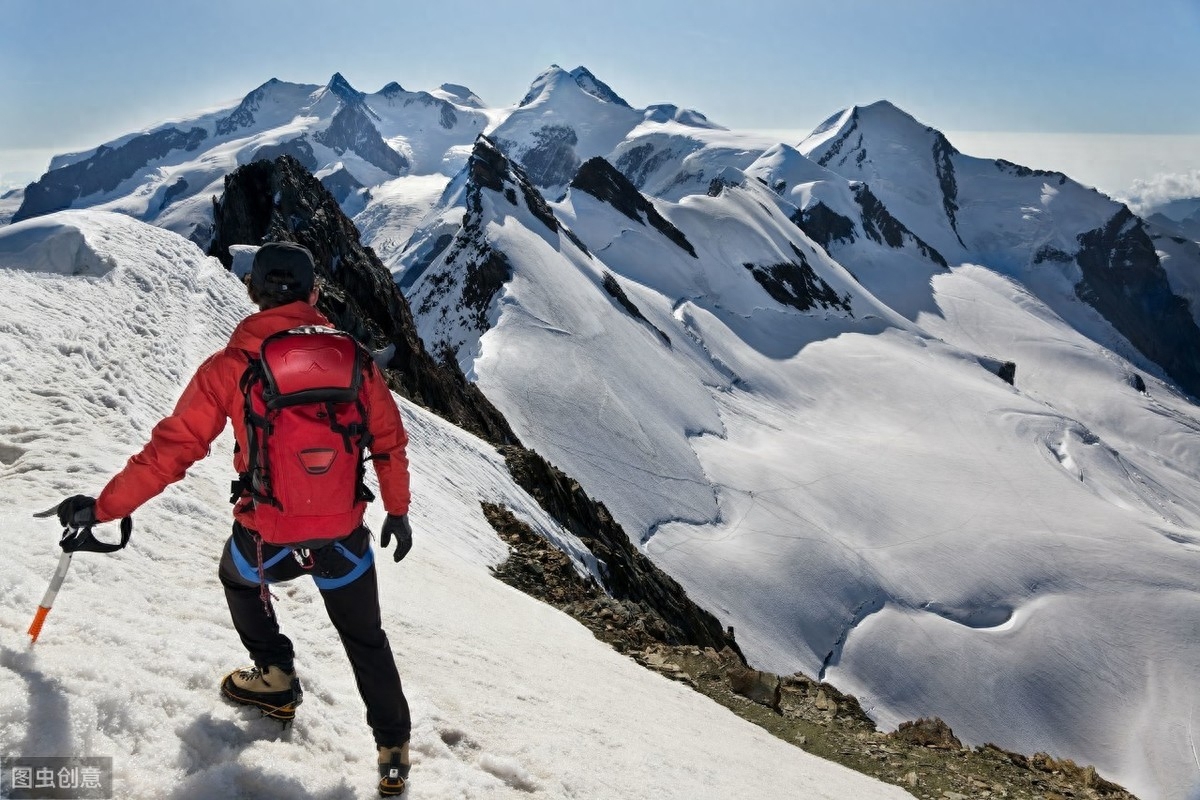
[(213, 396)]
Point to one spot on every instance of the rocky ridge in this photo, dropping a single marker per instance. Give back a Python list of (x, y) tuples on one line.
[(923, 756)]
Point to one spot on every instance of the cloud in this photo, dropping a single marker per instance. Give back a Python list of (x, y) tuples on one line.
[(1145, 195)]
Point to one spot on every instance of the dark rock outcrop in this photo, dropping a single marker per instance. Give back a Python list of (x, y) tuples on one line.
[(1049, 252), (1124, 280), (174, 192), (1027, 172), (628, 575), (638, 163), (928, 733), (352, 129), (341, 87), (298, 148), (796, 284), (596, 87), (606, 183), (359, 296), (824, 225), (551, 160), (470, 272), (880, 225), (943, 152), (243, 115), (341, 184), (103, 171), (615, 291), (850, 133)]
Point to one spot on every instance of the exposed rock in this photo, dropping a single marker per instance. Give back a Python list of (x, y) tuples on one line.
[(596, 87), (1008, 372), (351, 129), (1026, 172), (1124, 280), (1137, 383), (614, 289), (341, 184), (472, 272), (943, 162), (243, 115), (928, 733), (761, 687), (851, 132), (298, 148), (606, 183), (551, 160), (880, 225), (640, 162), (627, 574), (345, 92), (281, 201), (174, 191), (824, 225), (103, 171), (1050, 253), (797, 284)]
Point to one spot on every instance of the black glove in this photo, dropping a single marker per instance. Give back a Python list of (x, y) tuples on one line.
[(397, 525), (77, 512)]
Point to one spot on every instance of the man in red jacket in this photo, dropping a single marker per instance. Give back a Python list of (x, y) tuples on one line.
[(282, 284)]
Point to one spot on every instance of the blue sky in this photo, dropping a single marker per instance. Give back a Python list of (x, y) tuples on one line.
[(78, 73)]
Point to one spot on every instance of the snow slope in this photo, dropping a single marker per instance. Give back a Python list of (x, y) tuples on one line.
[(857, 493), (102, 319)]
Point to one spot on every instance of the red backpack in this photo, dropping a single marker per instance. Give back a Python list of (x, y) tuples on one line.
[(306, 430)]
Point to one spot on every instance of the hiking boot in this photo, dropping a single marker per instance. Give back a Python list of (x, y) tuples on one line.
[(275, 691), (393, 770)]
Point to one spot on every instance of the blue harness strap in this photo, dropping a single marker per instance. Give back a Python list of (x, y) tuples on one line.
[(361, 565), (250, 571)]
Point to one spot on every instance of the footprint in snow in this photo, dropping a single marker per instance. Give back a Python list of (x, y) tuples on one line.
[(507, 770)]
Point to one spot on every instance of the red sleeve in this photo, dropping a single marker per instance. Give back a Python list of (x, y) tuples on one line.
[(177, 442), (391, 440)]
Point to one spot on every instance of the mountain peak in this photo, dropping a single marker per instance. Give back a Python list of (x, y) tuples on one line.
[(342, 88), (393, 88), (596, 87), (578, 79), (544, 82)]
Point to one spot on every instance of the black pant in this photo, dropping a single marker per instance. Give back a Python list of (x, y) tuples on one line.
[(344, 572)]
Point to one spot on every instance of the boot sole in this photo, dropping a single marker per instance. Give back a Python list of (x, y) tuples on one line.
[(391, 790), (284, 712)]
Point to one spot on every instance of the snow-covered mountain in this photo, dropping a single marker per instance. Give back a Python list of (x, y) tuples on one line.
[(854, 489), (777, 365), (167, 175), (510, 697)]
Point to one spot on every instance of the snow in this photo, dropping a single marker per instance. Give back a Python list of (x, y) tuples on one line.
[(396, 209), (855, 492), (510, 697)]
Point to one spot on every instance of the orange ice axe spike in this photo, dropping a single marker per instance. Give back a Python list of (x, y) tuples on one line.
[(56, 582)]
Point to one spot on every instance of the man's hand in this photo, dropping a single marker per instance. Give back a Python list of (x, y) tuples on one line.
[(77, 512), (397, 525)]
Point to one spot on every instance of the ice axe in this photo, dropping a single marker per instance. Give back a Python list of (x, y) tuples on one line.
[(73, 540)]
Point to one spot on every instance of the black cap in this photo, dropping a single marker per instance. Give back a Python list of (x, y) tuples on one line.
[(282, 268)]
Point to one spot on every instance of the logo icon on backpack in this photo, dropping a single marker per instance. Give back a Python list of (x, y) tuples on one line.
[(317, 460)]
